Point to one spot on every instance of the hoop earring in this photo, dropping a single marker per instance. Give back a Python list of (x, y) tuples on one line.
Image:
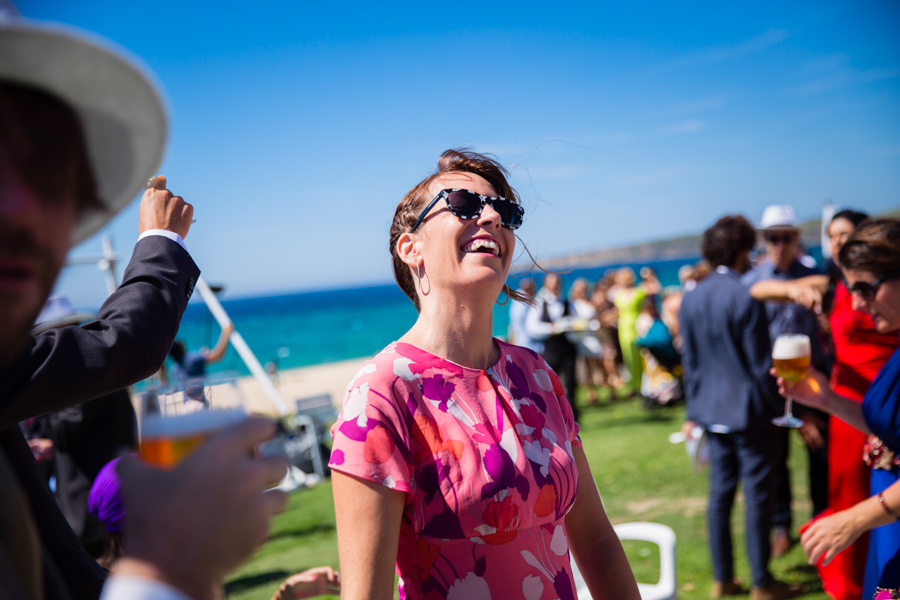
[(419, 275), (505, 302)]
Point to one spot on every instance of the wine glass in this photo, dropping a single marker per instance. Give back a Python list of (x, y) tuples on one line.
[(790, 357)]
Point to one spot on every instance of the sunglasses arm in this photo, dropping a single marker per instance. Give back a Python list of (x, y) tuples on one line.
[(425, 211)]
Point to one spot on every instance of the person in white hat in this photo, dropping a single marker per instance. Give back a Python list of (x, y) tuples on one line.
[(81, 131), (780, 230)]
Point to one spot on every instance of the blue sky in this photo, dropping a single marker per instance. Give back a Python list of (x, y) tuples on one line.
[(297, 127)]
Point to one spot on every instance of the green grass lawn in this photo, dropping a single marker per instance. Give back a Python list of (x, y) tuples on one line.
[(641, 476)]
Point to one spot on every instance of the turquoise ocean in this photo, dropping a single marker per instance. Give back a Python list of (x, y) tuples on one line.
[(309, 328)]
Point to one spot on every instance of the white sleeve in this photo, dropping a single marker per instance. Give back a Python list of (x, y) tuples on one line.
[(165, 233), (537, 329), (129, 587)]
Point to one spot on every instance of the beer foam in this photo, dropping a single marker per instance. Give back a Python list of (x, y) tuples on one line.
[(791, 346), (154, 426)]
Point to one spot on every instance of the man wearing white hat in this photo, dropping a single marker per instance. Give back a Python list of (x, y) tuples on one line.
[(780, 230), (81, 130)]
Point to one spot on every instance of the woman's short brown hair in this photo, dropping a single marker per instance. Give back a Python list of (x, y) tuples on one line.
[(42, 139), (874, 247), (451, 161)]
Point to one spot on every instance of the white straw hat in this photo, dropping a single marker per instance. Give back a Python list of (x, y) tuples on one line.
[(122, 113), (779, 216)]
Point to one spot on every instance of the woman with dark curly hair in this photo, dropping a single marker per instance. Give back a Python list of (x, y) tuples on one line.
[(456, 456)]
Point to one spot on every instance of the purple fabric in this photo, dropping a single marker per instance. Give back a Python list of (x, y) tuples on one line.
[(105, 500)]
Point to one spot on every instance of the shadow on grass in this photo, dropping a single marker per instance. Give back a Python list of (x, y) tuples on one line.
[(808, 578), (303, 531), (251, 581)]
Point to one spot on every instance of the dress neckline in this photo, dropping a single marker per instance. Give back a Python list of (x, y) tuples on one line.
[(490, 369)]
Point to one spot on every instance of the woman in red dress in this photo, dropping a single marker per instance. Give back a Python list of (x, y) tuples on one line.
[(859, 353)]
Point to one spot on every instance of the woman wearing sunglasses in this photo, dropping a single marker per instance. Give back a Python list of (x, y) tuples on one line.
[(456, 456), (870, 261)]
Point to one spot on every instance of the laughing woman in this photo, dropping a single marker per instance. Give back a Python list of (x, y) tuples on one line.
[(456, 457)]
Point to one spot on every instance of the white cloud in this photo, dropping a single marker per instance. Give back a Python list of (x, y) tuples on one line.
[(689, 126), (658, 176), (694, 106), (842, 77), (763, 41)]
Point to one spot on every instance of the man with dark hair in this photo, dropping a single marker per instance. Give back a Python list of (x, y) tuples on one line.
[(732, 396), (81, 130)]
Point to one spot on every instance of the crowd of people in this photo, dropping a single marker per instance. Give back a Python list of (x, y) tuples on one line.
[(603, 335), (457, 461)]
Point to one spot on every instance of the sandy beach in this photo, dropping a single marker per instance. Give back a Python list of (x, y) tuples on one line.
[(302, 382), (292, 385)]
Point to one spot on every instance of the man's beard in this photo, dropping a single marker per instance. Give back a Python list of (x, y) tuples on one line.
[(18, 311)]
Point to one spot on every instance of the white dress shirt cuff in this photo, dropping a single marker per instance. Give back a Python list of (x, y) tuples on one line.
[(129, 587), (165, 233)]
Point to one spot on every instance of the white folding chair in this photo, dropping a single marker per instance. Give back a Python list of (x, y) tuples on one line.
[(662, 536)]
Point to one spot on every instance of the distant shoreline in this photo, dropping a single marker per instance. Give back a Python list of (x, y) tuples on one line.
[(668, 249)]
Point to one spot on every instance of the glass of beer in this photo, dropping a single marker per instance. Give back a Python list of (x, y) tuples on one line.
[(175, 420), (790, 357)]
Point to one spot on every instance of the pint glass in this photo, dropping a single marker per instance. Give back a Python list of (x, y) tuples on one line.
[(175, 420), (167, 440), (790, 357)]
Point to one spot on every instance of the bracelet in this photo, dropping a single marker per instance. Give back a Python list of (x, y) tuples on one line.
[(885, 506)]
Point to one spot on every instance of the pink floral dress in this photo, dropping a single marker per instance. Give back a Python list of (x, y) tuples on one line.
[(485, 459)]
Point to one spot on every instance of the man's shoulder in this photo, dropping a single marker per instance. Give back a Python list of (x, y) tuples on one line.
[(758, 273), (798, 270), (718, 283), (716, 291)]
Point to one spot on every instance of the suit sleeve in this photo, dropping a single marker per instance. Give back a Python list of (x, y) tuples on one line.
[(688, 362), (126, 343), (758, 351)]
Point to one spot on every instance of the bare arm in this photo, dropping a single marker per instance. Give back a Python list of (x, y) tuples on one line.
[(218, 352), (368, 528), (806, 291), (826, 537), (593, 543), (815, 391)]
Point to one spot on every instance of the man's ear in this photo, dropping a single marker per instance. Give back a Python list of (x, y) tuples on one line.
[(408, 250)]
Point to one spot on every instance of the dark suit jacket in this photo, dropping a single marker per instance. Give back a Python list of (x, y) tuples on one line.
[(128, 342), (727, 355), (85, 438)]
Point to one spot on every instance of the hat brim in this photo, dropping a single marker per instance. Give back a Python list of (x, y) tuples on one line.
[(62, 322), (778, 228), (121, 111)]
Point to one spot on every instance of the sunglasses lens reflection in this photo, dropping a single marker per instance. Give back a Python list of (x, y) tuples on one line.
[(464, 204), (467, 205), (865, 290)]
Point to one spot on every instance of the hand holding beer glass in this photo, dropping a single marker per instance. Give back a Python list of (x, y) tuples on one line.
[(791, 357), (177, 419)]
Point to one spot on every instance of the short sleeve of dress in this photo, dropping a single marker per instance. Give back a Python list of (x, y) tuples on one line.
[(372, 434), (881, 405), (572, 428)]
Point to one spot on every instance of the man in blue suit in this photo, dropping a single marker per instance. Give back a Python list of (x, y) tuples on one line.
[(731, 394)]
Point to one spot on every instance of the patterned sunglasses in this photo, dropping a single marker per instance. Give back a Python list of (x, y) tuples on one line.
[(465, 204)]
